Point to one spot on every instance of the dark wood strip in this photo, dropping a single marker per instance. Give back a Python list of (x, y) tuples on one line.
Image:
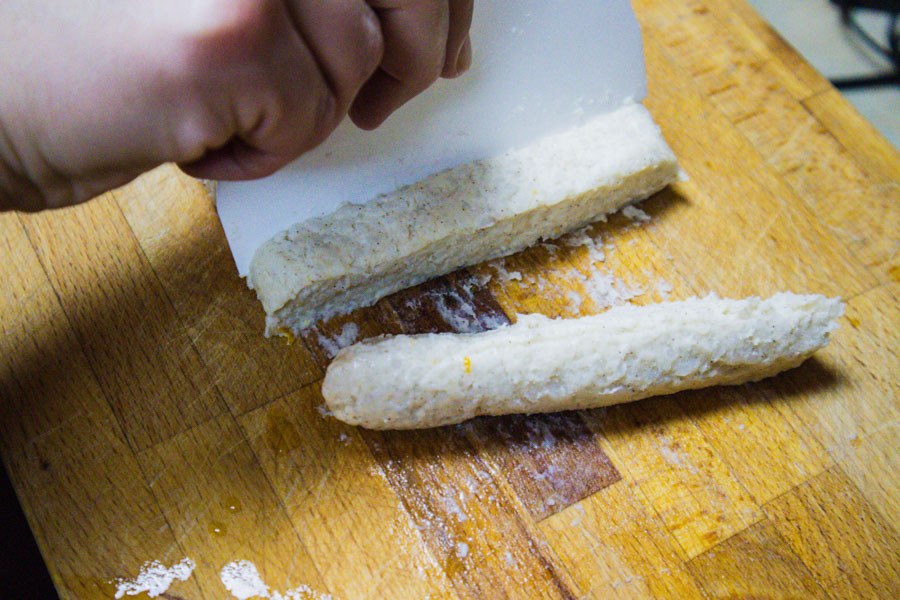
[(551, 461), (459, 302), (458, 501), (469, 521)]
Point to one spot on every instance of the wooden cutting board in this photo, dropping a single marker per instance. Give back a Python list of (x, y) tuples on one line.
[(144, 417)]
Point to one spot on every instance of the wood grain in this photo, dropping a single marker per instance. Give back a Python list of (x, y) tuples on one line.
[(770, 244), (845, 544), (683, 479), (857, 415), (614, 547), (824, 175), (755, 563), (58, 431), (769, 452), (143, 359), (221, 507), (739, 21), (183, 240), (143, 416), (872, 152), (361, 539)]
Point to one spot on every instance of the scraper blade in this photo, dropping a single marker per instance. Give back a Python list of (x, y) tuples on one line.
[(539, 67)]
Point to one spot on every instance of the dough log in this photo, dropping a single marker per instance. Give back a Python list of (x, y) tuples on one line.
[(462, 216), (545, 365)]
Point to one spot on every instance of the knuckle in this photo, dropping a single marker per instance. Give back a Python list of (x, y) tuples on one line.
[(370, 41)]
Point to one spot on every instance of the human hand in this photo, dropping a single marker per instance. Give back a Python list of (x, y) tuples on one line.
[(95, 92)]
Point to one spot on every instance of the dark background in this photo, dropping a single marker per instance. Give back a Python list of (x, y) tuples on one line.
[(22, 568)]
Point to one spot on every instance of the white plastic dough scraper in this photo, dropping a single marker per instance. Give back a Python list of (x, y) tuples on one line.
[(539, 67)]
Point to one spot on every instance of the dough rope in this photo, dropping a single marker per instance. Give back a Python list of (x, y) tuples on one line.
[(545, 365)]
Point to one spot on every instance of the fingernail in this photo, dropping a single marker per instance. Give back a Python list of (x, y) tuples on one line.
[(464, 60)]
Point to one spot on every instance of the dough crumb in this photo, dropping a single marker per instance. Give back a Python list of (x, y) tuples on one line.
[(635, 214)]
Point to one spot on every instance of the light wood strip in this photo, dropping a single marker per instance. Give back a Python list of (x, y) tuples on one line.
[(222, 508), (850, 402), (869, 148), (873, 464), (766, 238), (136, 345), (742, 30), (679, 474), (744, 24), (359, 536), (756, 563), (614, 547), (860, 210), (85, 497), (764, 444), (846, 544), (854, 397), (179, 232)]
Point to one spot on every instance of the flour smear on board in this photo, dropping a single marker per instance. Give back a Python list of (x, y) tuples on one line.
[(242, 579), (154, 578)]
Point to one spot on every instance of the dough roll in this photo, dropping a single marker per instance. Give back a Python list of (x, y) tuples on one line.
[(544, 365), (462, 216)]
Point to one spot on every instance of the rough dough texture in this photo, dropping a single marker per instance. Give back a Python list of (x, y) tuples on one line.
[(472, 213), (545, 365)]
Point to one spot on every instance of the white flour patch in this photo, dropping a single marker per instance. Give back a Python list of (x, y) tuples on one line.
[(154, 578), (457, 309), (582, 238), (462, 550), (332, 345), (462, 317), (453, 508), (242, 580), (575, 301), (503, 274), (324, 411), (663, 288), (605, 289)]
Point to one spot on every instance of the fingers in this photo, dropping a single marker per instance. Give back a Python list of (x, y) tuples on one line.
[(321, 60), (415, 36), (458, 55), (345, 38), (299, 82)]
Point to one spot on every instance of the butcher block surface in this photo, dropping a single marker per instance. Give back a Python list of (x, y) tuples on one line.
[(145, 418)]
